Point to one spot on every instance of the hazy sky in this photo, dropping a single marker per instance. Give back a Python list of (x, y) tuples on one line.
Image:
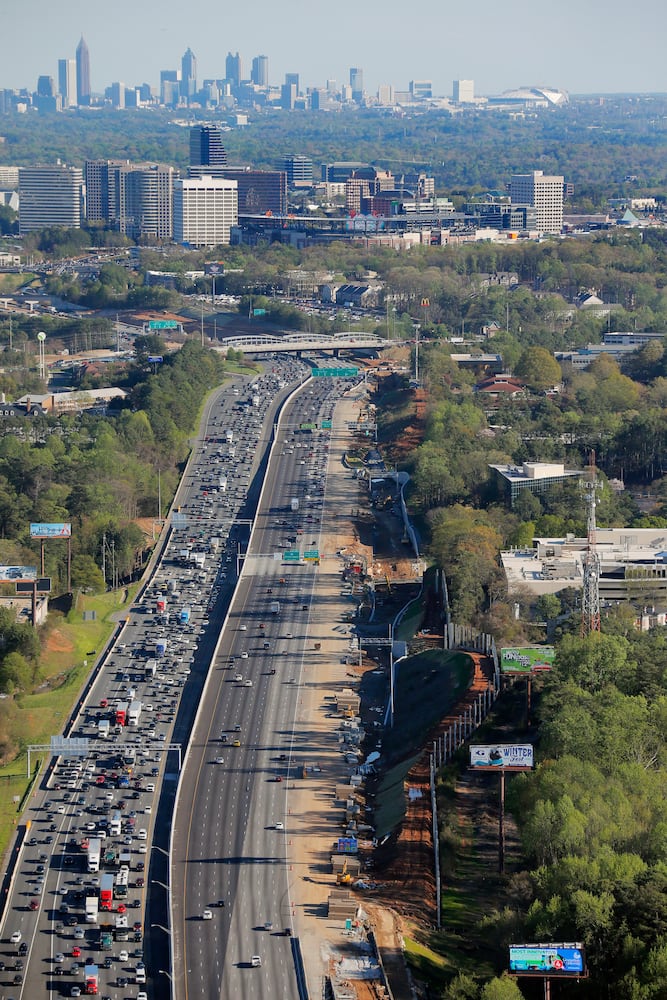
[(583, 46)]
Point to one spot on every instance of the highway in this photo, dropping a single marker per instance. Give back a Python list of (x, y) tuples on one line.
[(78, 797), (231, 828)]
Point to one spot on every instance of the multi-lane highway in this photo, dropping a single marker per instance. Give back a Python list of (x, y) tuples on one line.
[(111, 794), (231, 830)]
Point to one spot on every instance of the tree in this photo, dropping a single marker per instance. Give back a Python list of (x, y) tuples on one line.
[(538, 368), (503, 988), (86, 575)]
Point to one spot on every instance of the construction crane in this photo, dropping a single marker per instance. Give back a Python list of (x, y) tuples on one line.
[(590, 600)]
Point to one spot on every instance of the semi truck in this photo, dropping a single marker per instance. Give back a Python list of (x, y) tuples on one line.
[(222, 483), (121, 713), (106, 892), (160, 648), (229, 437), (91, 980), (294, 503), (92, 906), (134, 713), (116, 824), (106, 940), (150, 668), (94, 851)]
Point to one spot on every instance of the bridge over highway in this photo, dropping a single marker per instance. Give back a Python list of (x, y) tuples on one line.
[(297, 342)]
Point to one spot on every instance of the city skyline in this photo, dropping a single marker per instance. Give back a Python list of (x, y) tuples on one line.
[(586, 52)]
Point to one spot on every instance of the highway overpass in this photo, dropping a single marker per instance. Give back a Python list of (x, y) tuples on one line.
[(296, 343)]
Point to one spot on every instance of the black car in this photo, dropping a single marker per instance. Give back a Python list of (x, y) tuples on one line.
[(23, 948), (107, 962)]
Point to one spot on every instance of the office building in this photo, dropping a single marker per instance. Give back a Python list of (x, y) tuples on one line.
[(83, 89), (133, 198), (50, 196), (170, 86), (67, 82), (259, 74), (421, 90), (357, 84), (292, 78), (259, 191), (45, 86), (385, 96), (463, 91), (205, 209), (188, 75), (542, 192), (299, 170), (117, 94), (206, 149), (233, 70), (288, 96)]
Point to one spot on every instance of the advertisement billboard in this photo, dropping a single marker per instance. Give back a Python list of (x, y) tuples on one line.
[(526, 659), (505, 756), (547, 960), (57, 530), (12, 574), (43, 586)]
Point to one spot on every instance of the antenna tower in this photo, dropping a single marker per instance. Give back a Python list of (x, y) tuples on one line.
[(590, 601)]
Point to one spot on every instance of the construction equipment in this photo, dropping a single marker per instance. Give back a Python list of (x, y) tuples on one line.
[(343, 877)]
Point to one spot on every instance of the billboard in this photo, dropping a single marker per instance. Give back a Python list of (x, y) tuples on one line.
[(11, 574), (347, 845), (547, 960), (57, 530), (505, 756), (525, 659), (26, 587)]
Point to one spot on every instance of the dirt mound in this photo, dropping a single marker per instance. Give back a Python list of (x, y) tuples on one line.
[(56, 642)]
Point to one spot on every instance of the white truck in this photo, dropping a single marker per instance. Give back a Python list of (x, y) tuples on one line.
[(104, 729), (92, 906), (222, 484), (274, 607), (94, 851), (229, 436), (294, 503), (134, 713)]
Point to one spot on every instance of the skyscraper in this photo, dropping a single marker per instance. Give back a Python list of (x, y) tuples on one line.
[(50, 196), (260, 71), (188, 75), (67, 82), (357, 83), (135, 198), (544, 194), (206, 149), (233, 69), (82, 73)]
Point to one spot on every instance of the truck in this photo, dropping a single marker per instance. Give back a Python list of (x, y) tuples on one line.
[(160, 648), (222, 483), (150, 668), (134, 713), (160, 605), (94, 851), (121, 884), (274, 607), (121, 713), (184, 616), (116, 824), (92, 906), (104, 729), (110, 858), (91, 980), (199, 559), (229, 437), (294, 503), (106, 892), (106, 940)]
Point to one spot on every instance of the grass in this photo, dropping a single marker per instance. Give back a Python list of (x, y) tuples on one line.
[(67, 659), (10, 282), (430, 966)]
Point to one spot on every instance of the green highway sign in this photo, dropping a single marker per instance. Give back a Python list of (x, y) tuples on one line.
[(326, 425), (291, 555), (307, 427), (259, 312), (334, 372), (162, 324), (311, 554)]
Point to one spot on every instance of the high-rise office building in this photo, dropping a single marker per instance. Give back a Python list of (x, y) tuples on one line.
[(134, 198), (357, 83), (421, 90), (83, 89), (205, 209), (45, 86), (260, 191), (188, 75), (170, 86), (50, 196), (543, 193), (118, 94), (206, 148), (299, 170), (233, 69), (288, 96), (463, 91), (259, 75), (67, 82)]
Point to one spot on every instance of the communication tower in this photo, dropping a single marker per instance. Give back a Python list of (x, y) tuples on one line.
[(590, 601)]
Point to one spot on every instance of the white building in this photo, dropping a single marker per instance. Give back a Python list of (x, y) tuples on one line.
[(50, 196), (542, 192), (205, 209), (463, 91)]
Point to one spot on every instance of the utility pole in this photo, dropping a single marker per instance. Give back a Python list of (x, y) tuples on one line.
[(590, 599)]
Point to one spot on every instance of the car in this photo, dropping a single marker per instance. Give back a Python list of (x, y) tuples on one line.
[(122, 982), (236, 743), (58, 958), (242, 628), (75, 991), (244, 654), (15, 937), (33, 904), (142, 835), (248, 683), (220, 760), (238, 678), (150, 787), (278, 826), (207, 915), (268, 925), (255, 961), (142, 995), (79, 934), (278, 777), (23, 949), (237, 728), (48, 839), (124, 956), (76, 951)]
